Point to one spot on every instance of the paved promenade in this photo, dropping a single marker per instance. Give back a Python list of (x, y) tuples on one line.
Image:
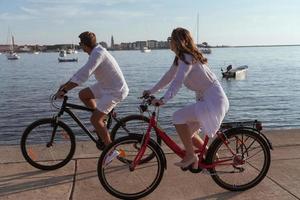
[(78, 180)]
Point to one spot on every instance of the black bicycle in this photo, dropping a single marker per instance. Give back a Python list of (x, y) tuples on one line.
[(49, 143)]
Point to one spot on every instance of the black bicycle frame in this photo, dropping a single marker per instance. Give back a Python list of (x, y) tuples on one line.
[(65, 107)]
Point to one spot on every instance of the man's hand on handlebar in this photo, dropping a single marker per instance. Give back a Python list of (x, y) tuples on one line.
[(60, 93)]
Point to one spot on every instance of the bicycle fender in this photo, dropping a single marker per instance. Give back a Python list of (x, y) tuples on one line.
[(253, 130)]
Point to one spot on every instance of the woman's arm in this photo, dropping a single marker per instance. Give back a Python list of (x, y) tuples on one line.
[(165, 80), (183, 71)]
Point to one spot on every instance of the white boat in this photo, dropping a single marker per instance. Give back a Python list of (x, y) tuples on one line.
[(11, 55), (145, 50), (67, 59), (72, 50), (234, 72), (62, 53), (205, 50)]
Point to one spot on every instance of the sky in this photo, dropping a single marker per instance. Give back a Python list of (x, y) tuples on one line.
[(221, 22)]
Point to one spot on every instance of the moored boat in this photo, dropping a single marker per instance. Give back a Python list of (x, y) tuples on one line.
[(234, 72), (67, 59), (11, 55), (62, 53), (145, 50)]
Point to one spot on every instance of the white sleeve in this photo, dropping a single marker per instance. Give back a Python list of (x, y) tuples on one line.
[(87, 70), (183, 71), (165, 80)]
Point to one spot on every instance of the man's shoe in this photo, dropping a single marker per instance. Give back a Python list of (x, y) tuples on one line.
[(111, 156)]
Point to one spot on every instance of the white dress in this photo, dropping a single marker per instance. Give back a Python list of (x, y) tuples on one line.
[(212, 103)]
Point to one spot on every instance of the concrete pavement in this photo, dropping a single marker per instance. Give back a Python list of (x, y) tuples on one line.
[(78, 180)]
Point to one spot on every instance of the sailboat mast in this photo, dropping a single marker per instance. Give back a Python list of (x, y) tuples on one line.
[(13, 42), (197, 28)]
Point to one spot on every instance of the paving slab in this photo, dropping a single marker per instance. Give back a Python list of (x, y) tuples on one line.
[(22, 181), (79, 179)]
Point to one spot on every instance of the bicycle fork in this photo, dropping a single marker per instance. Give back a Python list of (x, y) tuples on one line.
[(55, 125), (144, 142)]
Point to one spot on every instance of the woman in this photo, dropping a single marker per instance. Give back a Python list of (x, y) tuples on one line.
[(190, 68)]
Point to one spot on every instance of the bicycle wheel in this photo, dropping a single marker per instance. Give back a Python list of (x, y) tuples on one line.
[(245, 166), (40, 152), (119, 180), (134, 124)]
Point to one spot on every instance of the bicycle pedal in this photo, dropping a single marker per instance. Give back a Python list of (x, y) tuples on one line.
[(184, 168)]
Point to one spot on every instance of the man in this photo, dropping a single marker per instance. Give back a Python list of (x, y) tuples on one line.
[(106, 93)]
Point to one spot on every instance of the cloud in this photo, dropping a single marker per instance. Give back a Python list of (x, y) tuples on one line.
[(102, 2), (11, 16)]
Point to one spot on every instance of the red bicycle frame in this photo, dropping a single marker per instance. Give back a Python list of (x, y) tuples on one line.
[(176, 149)]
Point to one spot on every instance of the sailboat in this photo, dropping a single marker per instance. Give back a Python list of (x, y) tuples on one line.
[(11, 54), (203, 49), (72, 50)]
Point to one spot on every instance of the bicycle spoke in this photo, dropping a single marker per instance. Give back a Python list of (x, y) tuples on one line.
[(120, 179), (43, 153), (247, 163)]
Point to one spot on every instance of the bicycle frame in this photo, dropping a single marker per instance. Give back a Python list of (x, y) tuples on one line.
[(177, 149), (66, 107)]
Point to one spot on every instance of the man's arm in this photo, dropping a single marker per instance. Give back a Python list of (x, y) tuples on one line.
[(68, 86), (63, 89)]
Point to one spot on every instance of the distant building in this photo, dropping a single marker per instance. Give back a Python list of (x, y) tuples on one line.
[(112, 43), (163, 45), (103, 44), (25, 48), (140, 44), (152, 44), (4, 48)]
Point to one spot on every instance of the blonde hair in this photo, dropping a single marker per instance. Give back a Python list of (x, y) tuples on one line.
[(184, 43)]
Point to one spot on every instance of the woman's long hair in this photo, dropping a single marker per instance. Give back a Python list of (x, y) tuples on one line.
[(184, 43)]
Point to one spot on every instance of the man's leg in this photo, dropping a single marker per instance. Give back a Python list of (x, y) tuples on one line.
[(87, 97), (98, 117)]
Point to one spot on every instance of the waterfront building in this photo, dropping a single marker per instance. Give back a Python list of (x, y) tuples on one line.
[(152, 44), (4, 47), (104, 44), (112, 42), (25, 48), (140, 45)]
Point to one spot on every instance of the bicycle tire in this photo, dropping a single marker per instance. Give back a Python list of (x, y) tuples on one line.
[(216, 145), (134, 138), (116, 131), (44, 163)]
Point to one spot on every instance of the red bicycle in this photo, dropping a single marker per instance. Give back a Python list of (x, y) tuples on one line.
[(133, 166)]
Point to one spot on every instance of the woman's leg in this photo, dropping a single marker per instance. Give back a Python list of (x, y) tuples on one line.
[(186, 138), (181, 119), (194, 129)]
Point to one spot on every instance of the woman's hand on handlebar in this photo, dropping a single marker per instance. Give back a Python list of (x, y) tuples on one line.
[(146, 93), (157, 102)]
